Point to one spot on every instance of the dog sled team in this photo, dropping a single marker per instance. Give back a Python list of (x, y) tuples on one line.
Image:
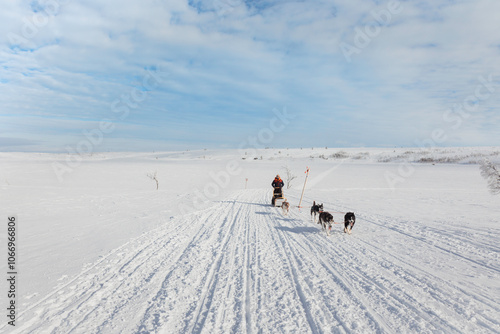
[(278, 199), (325, 219)]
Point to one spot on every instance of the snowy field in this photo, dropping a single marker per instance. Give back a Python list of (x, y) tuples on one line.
[(101, 250)]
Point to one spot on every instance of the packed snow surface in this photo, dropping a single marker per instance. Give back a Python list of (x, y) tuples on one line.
[(101, 250)]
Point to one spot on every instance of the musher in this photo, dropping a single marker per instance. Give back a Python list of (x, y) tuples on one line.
[(277, 185)]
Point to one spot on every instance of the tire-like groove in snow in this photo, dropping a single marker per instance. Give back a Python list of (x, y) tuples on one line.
[(240, 266)]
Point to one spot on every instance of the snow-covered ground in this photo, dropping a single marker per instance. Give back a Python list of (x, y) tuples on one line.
[(100, 250)]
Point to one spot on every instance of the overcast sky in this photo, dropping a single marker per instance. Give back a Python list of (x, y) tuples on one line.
[(158, 75)]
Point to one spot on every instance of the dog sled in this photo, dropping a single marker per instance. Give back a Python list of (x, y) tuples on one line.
[(278, 198)]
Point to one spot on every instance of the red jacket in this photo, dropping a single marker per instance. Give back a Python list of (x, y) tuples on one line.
[(278, 182)]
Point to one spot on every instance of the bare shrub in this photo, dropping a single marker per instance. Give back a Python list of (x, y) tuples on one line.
[(153, 177), (339, 155), (362, 155), (492, 174), (289, 177)]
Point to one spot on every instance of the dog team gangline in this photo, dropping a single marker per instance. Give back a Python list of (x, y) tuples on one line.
[(325, 219)]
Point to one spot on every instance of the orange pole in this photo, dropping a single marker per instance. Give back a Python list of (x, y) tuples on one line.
[(307, 174)]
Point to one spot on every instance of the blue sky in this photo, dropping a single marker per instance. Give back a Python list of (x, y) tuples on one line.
[(208, 74)]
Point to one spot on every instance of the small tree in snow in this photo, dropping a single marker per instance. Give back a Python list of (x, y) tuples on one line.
[(153, 177), (289, 177), (492, 174)]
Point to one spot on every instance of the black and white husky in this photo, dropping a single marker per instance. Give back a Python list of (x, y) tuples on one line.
[(326, 221), (315, 210), (349, 220)]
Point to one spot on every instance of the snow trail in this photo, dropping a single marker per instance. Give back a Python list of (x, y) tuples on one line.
[(243, 267)]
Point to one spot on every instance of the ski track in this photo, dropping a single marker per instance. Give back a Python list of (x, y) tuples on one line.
[(243, 267), (441, 289)]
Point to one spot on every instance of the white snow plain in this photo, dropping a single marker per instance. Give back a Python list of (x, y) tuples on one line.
[(100, 250)]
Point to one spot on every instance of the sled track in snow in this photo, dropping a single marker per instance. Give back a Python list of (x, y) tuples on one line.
[(382, 298), (438, 289), (243, 267)]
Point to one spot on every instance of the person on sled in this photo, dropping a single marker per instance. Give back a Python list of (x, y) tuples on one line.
[(277, 185), (278, 182)]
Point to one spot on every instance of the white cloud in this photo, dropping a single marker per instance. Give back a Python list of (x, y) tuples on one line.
[(227, 61)]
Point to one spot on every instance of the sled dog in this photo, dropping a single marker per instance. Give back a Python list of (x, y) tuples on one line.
[(349, 220), (326, 221), (286, 207), (315, 210)]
